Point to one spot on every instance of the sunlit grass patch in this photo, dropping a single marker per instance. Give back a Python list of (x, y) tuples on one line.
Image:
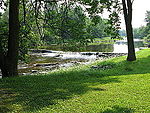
[(123, 88)]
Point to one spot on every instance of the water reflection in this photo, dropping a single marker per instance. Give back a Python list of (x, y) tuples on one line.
[(121, 46), (101, 48)]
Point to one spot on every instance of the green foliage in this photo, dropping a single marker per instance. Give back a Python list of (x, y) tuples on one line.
[(146, 30), (3, 34), (122, 33), (143, 31), (69, 24), (148, 36), (139, 32), (148, 24), (28, 37), (60, 23), (113, 25), (147, 19), (96, 27)]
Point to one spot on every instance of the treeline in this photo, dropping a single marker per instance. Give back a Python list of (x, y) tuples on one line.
[(142, 32)]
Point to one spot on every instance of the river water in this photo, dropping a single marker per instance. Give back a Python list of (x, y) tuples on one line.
[(50, 60), (120, 46)]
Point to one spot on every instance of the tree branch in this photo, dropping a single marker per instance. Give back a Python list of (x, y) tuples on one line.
[(132, 1), (129, 5), (125, 10)]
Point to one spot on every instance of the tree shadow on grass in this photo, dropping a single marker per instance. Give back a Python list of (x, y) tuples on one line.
[(140, 66), (32, 93), (117, 109), (4, 109)]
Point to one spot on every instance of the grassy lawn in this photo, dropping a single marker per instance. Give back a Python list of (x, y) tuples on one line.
[(122, 88)]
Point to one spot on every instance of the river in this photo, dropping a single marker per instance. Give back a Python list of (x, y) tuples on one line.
[(48, 60)]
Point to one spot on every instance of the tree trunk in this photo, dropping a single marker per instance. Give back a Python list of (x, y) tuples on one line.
[(127, 10), (3, 66), (9, 62)]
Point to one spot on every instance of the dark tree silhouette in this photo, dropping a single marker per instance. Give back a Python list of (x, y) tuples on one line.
[(127, 10), (9, 60)]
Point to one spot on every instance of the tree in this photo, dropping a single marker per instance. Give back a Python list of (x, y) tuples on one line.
[(140, 32), (122, 33), (147, 29), (127, 10), (147, 19), (96, 30), (9, 60)]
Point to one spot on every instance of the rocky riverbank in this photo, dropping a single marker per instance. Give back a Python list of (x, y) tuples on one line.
[(47, 60), (44, 61)]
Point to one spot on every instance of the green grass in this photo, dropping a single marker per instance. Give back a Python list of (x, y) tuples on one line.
[(125, 88)]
